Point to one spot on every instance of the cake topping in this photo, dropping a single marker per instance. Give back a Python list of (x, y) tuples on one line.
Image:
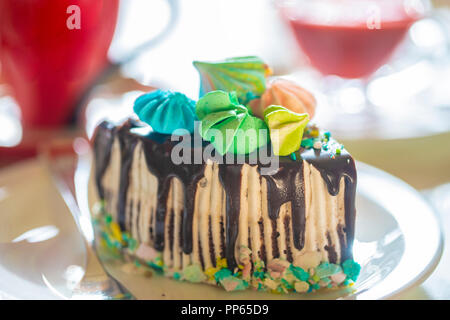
[(286, 129), (166, 111), (351, 269), (228, 125), (245, 75), (287, 94)]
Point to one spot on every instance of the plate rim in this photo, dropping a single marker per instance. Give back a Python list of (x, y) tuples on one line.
[(385, 179)]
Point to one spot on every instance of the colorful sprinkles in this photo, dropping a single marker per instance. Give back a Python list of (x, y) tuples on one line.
[(279, 276), (314, 139)]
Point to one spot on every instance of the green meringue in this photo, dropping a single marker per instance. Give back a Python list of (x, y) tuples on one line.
[(244, 75), (286, 129), (229, 126)]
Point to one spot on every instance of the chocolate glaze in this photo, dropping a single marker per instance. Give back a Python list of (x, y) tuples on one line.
[(212, 252), (275, 234), (287, 222), (157, 156), (262, 252), (332, 256), (230, 176), (104, 138), (332, 170), (285, 185), (127, 144), (170, 231)]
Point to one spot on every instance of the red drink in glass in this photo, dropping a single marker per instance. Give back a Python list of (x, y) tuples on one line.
[(347, 43), (47, 63)]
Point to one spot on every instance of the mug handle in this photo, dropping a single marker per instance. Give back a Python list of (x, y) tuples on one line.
[(174, 11)]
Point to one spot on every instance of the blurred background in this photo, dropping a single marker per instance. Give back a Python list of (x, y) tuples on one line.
[(380, 70)]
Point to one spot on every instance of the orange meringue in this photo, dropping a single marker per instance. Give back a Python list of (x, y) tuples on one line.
[(285, 93)]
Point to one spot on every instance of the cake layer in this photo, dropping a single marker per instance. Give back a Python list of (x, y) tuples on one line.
[(198, 213)]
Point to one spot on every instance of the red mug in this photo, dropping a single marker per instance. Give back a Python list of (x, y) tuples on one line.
[(50, 51), (53, 51)]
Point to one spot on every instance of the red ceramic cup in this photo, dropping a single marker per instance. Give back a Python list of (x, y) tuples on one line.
[(50, 50)]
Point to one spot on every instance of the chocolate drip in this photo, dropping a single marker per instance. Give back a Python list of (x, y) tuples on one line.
[(275, 234), (342, 241), (151, 231), (288, 252), (249, 240), (332, 256), (332, 171), (287, 185), (180, 235), (161, 209), (222, 238), (212, 253), (171, 234), (157, 156), (127, 144), (230, 177), (200, 254), (130, 214), (104, 138), (262, 252), (137, 220)]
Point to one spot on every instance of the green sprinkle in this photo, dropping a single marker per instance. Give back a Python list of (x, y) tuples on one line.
[(327, 134), (154, 266), (299, 273), (108, 219), (293, 156), (338, 151), (307, 143), (351, 269), (326, 269), (132, 244), (222, 274), (325, 146), (176, 275), (286, 284), (315, 286)]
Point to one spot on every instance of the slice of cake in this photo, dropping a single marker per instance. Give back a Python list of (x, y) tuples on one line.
[(236, 200)]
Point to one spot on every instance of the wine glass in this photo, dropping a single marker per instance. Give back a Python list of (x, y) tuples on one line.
[(347, 41)]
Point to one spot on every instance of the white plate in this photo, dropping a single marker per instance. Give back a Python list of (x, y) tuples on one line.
[(398, 242)]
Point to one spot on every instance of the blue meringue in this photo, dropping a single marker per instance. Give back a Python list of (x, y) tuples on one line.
[(166, 111)]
